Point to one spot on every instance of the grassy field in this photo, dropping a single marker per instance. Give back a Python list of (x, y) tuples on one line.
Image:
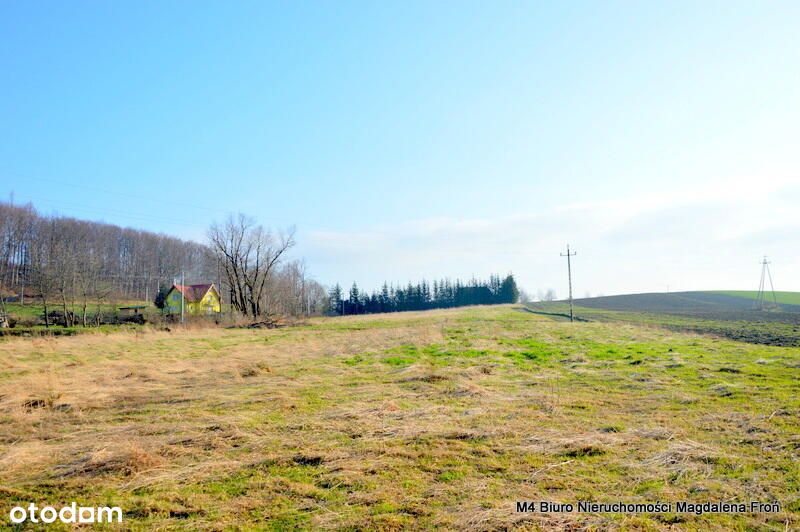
[(36, 309), (787, 298), (768, 328), (413, 420), (691, 303), (714, 313), (28, 319)]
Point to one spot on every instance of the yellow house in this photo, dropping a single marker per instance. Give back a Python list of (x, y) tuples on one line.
[(197, 299)]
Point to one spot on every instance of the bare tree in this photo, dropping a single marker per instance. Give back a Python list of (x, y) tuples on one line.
[(16, 225), (249, 255), (292, 291), (63, 266), (316, 298), (42, 268), (524, 297)]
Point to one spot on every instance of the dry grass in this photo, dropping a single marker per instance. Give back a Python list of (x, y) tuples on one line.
[(416, 420)]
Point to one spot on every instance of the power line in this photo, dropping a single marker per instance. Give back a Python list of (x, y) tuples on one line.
[(569, 255), (94, 211)]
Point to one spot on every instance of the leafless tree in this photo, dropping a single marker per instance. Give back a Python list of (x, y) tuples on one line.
[(16, 225), (524, 297), (292, 292), (41, 264), (250, 256)]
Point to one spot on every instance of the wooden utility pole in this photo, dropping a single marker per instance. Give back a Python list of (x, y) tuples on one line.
[(183, 287), (219, 283), (569, 254)]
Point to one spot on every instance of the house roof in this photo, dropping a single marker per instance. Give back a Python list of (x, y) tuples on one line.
[(193, 292)]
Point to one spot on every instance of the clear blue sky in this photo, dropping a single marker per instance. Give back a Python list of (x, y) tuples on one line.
[(424, 139)]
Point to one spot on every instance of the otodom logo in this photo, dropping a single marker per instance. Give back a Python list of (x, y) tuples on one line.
[(67, 514)]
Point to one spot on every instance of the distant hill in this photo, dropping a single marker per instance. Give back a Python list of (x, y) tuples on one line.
[(688, 302)]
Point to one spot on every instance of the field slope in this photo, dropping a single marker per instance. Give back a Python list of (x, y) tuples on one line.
[(691, 302), (785, 298), (413, 420), (715, 313)]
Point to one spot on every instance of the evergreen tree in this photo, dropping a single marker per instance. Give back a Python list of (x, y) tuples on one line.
[(335, 300), (400, 299), (446, 293), (355, 303), (459, 295), (425, 295), (411, 297), (161, 297), (509, 293), (494, 287), (443, 294), (384, 299)]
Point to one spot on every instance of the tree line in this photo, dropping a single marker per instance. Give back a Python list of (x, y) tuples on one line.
[(74, 267), (423, 296)]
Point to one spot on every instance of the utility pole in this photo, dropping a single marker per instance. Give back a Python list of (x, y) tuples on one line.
[(183, 287), (760, 302), (219, 284), (569, 254)]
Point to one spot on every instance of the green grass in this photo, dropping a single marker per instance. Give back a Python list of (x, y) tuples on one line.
[(770, 328), (30, 322), (35, 310), (437, 420), (16, 310), (786, 298)]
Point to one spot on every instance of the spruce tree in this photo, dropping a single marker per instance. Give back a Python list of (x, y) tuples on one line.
[(335, 300), (354, 303), (509, 293), (425, 295), (383, 299)]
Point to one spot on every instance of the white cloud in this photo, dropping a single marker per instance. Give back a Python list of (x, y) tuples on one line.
[(710, 236)]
